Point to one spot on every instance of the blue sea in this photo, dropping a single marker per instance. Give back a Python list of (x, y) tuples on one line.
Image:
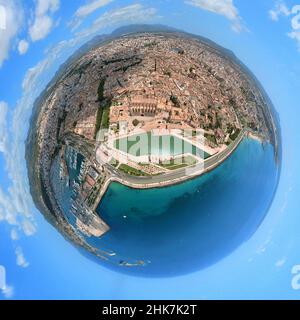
[(186, 227)]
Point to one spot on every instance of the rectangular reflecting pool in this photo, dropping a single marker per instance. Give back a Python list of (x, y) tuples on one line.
[(157, 145)]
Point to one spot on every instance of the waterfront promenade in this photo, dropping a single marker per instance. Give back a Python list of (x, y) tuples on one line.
[(178, 175), (157, 181)]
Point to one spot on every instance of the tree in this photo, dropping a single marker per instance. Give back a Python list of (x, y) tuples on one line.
[(135, 122), (175, 100)]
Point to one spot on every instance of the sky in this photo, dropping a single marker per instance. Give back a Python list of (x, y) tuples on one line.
[(36, 36)]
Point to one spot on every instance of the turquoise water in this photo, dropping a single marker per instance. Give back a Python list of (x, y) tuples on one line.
[(150, 144), (189, 226)]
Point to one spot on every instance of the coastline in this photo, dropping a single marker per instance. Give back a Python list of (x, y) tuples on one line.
[(64, 228), (197, 173), (216, 201), (254, 136)]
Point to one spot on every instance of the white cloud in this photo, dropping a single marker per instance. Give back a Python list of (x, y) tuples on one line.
[(279, 9), (3, 125), (14, 234), (41, 28), (295, 24), (91, 7), (85, 10), (2, 18), (263, 247), (43, 20), (11, 15), (280, 263), (23, 47), (135, 13), (21, 260), (225, 8), (8, 292), (11, 20), (45, 6), (15, 202), (28, 227), (7, 208)]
